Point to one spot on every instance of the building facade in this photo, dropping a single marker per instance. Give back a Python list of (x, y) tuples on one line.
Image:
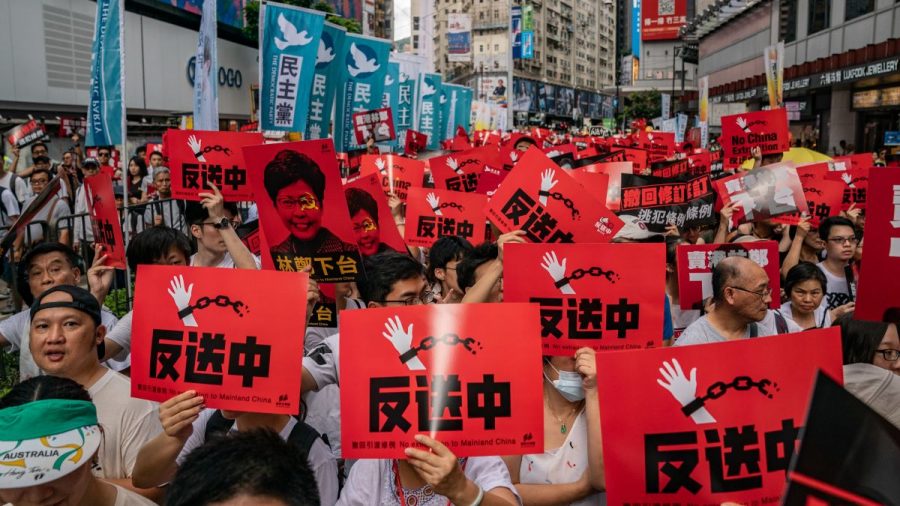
[(571, 54), (652, 55), (841, 65)]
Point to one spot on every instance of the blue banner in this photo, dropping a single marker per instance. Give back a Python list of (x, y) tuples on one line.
[(325, 81), (106, 108), (403, 112), (206, 92), (288, 47), (527, 46), (463, 110), (516, 14), (364, 65), (429, 109), (446, 111)]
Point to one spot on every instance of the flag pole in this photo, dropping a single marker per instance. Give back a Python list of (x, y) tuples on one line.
[(124, 165)]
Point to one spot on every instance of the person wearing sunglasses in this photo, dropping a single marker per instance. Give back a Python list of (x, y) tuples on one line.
[(212, 224), (740, 308), (841, 241), (871, 352)]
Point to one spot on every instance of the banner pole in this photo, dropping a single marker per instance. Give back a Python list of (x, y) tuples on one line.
[(124, 165)]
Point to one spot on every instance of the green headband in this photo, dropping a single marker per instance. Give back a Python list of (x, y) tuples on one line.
[(45, 418)]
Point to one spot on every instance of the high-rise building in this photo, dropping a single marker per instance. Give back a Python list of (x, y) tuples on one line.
[(378, 18), (652, 55), (422, 30), (570, 54), (841, 65)]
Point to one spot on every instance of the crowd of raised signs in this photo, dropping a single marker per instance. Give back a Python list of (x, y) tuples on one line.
[(529, 317)]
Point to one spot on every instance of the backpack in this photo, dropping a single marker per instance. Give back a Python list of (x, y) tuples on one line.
[(781, 326), (302, 436)]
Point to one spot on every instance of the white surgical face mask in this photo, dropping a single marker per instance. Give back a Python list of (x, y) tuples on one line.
[(569, 384)]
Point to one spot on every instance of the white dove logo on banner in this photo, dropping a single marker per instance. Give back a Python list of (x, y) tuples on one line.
[(325, 53), (388, 80), (290, 34), (403, 77), (427, 88), (362, 64)]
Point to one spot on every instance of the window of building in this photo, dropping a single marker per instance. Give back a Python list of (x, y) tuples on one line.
[(415, 22), (819, 15), (856, 8), (415, 41), (787, 22)]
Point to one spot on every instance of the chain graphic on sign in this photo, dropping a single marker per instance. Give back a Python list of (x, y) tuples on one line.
[(684, 389), (402, 340), (181, 295), (570, 205), (557, 271)]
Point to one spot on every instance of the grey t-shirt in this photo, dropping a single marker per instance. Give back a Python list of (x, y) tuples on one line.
[(701, 332)]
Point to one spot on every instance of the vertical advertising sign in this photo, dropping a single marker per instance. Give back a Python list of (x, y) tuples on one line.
[(703, 114), (206, 90), (774, 67), (459, 37)]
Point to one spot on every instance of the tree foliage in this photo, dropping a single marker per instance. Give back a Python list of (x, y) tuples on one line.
[(643, 104), (251, 12)]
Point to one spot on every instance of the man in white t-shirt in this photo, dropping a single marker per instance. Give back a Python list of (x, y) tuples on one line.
[(741, 298), (46, 266), (66, 330), (213, 226), (841, 241)]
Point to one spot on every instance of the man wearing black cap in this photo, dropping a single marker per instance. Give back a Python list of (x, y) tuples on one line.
[(66, 331), (46, 266)]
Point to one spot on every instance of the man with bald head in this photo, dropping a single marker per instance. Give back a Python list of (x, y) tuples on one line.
[(740, 306)]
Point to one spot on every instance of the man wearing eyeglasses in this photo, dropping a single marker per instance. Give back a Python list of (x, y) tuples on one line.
[(841, 241), (741, 298), (296, 186)]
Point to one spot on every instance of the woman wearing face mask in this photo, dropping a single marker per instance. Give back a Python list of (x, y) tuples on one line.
[(570, 470)]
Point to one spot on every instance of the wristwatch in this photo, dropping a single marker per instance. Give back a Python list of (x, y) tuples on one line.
[(222, 224)]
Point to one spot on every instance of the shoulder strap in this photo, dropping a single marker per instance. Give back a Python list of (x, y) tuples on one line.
[(217, 425), (754, 330), (848, 273), (303, 436), (781, 325)]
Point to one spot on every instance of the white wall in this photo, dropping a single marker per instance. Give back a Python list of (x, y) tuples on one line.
[(156, 57)]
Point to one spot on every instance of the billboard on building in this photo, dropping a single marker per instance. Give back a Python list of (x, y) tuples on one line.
[(459, 37), (661, 19), (229, 12)]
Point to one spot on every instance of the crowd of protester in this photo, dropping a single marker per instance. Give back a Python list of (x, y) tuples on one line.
[(73, 355)]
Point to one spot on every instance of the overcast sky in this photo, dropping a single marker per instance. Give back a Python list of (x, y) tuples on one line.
[(402, 19)]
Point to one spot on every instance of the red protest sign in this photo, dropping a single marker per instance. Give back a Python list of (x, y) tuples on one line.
[(856, 185), (460, 171), (196, 157), (377, 125), (592, 295), (490, 180), (696, 263), (295, 183), (597, 184), (699, 163), (638, 157), (659, 145), (767, 130), (415, 142), (709, 424), (432, 214), (541, 199), (373, 224), (101, 203), (614, 188), (823, 197), (856, 161), (468, 375), (878, 298), (763, 193), (27, 133), (201, 329), (398, 174)]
